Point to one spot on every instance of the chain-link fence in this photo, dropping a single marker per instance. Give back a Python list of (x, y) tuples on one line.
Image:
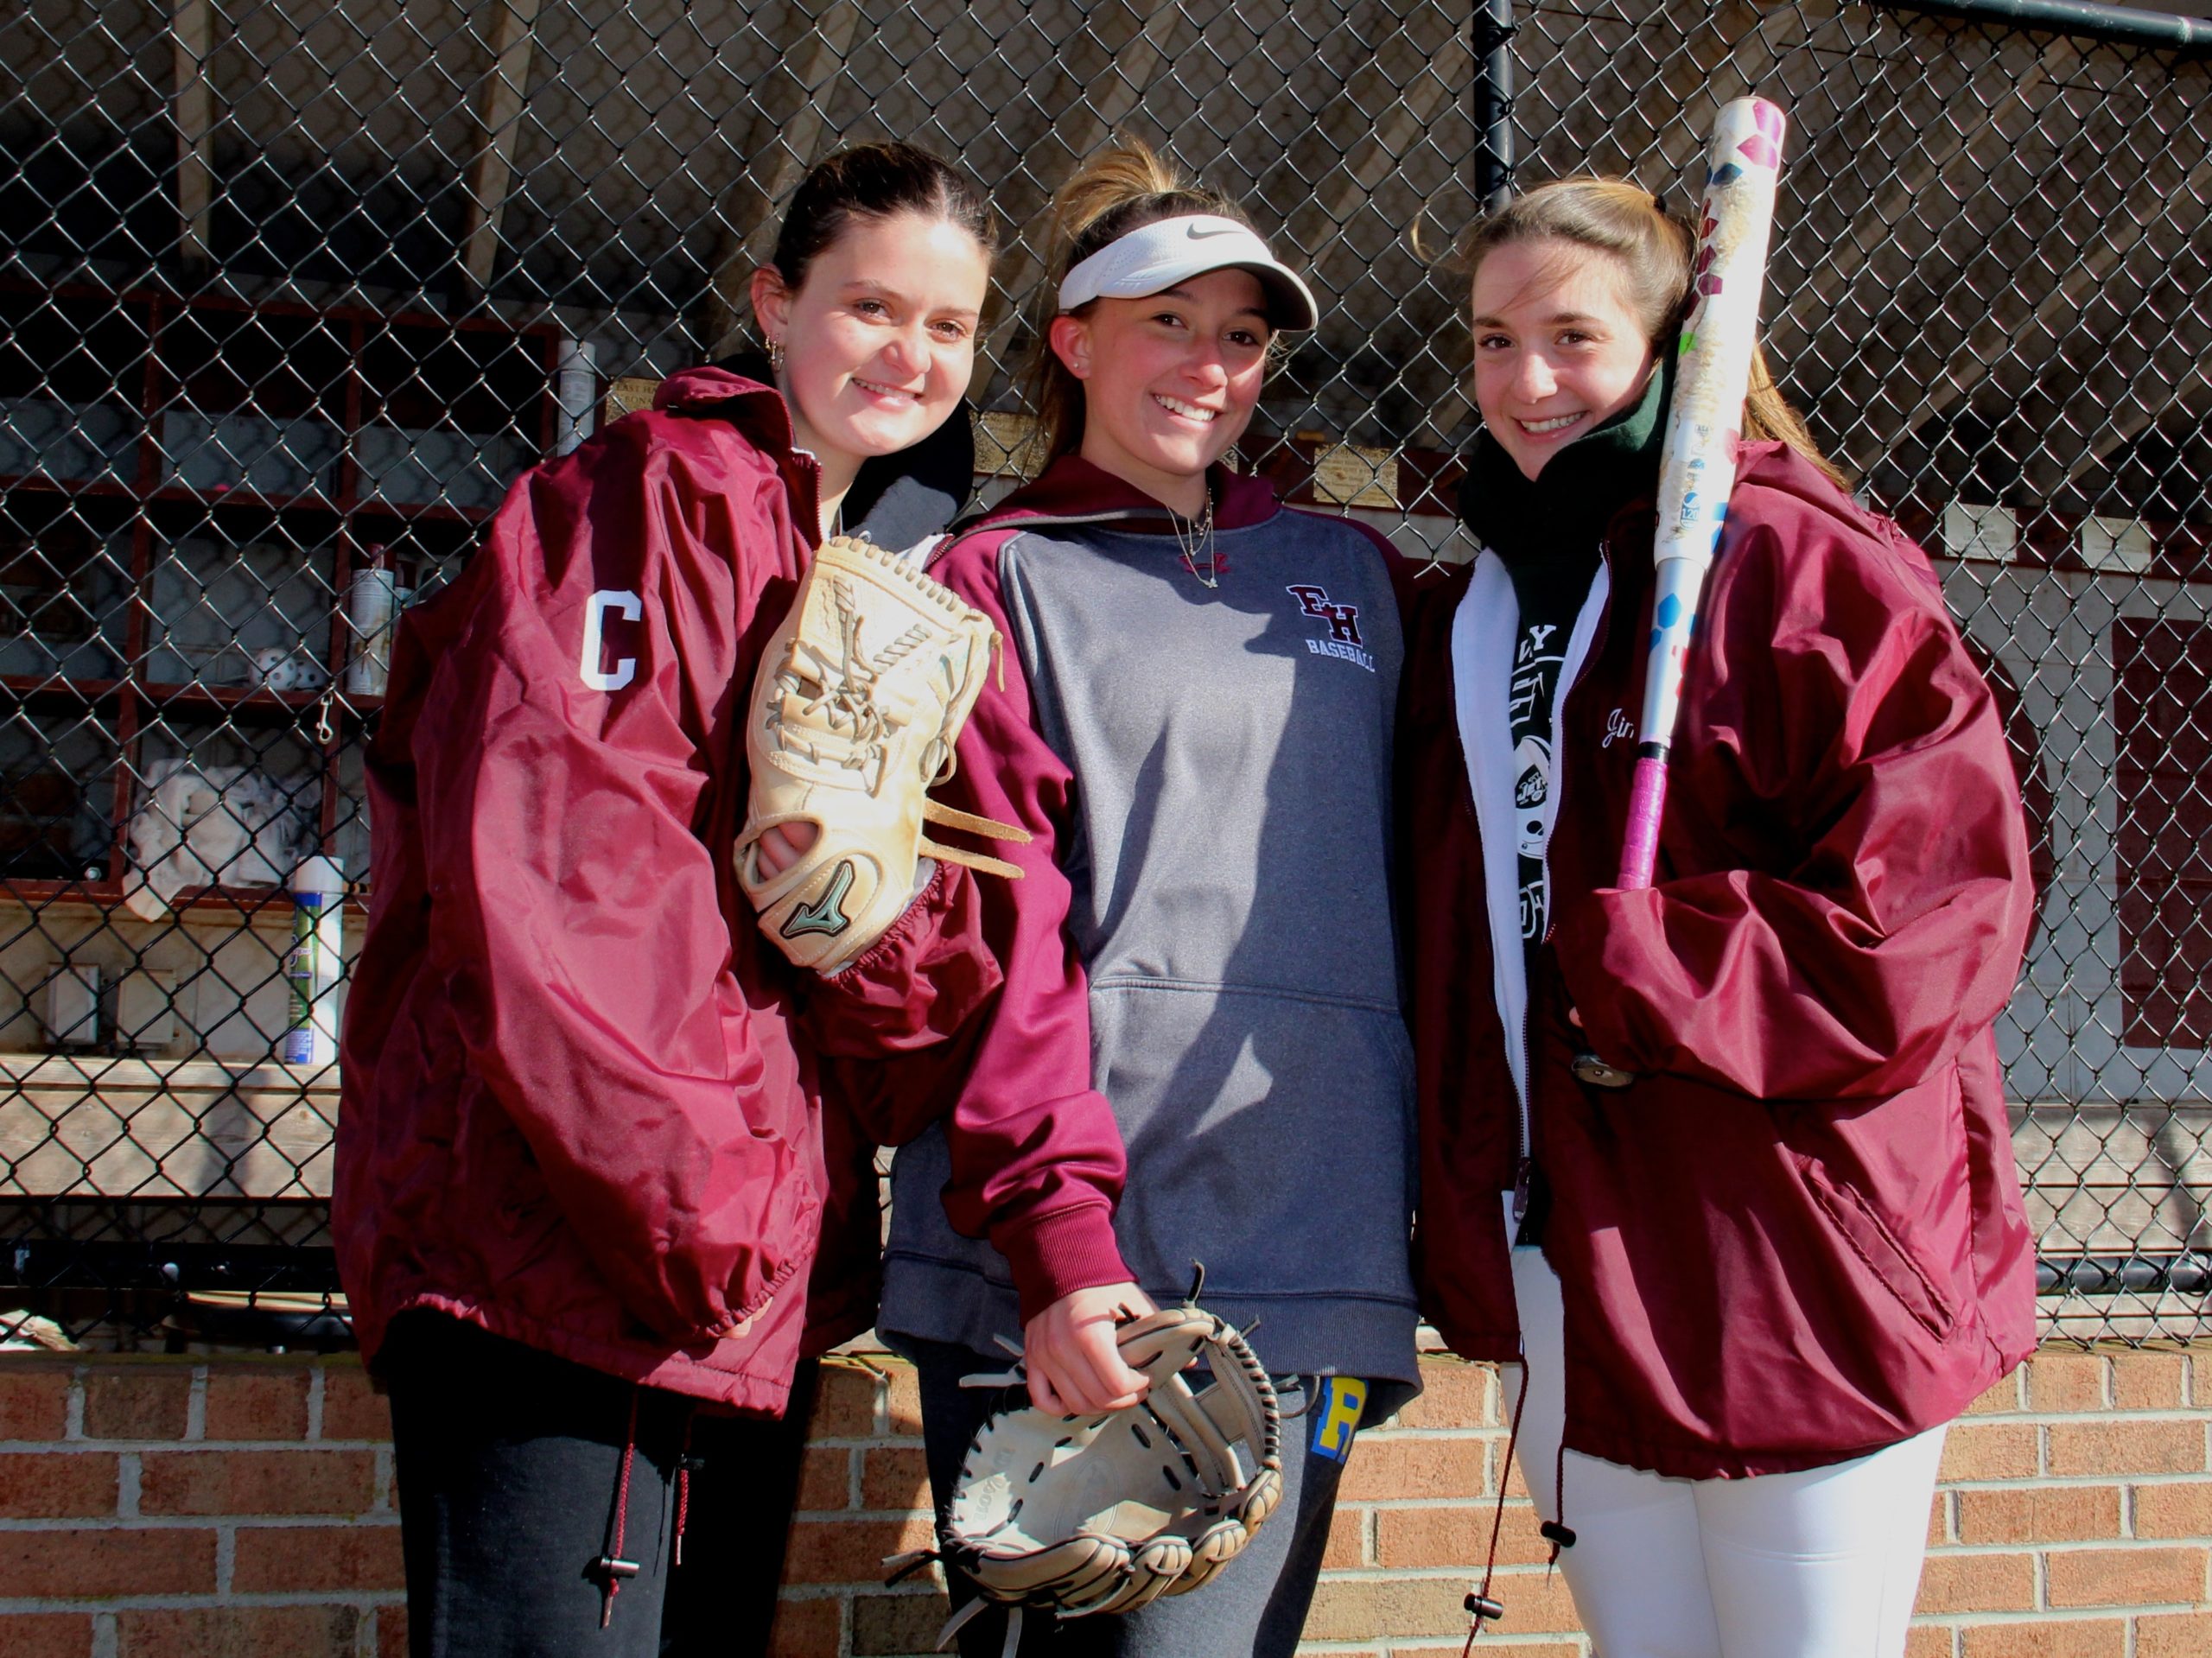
[(291, 289)]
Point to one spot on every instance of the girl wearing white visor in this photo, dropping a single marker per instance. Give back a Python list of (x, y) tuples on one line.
[(1198, 1050)]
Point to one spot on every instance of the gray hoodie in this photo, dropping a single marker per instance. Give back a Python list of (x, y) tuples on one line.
[(1226, 845)]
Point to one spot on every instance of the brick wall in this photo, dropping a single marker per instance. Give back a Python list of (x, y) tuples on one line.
[(214, 1509), (193, 1508)]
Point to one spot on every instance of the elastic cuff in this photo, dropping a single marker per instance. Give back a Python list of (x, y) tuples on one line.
[(926, 897), (1067, 1250)]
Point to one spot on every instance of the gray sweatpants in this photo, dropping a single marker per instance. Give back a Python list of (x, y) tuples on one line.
[(1258, 1604)]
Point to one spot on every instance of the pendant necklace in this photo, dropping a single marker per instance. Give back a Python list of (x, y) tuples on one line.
[(1199, 539)]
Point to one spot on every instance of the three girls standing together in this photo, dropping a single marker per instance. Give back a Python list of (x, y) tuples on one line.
[(1316, 916)]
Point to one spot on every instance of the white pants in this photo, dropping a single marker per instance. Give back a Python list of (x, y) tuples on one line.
[(1820, 1564)]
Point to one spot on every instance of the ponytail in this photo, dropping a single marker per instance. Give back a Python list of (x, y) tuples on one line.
[(1116, 191)]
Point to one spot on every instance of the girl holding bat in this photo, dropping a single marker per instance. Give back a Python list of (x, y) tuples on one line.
[(1723, 1164)]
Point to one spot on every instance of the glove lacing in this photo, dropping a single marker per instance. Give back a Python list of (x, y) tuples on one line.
[(845, 700)]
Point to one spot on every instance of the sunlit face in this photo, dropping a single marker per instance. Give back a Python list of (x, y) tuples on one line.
[(1558, 352), (880, 339), (1169, 381)]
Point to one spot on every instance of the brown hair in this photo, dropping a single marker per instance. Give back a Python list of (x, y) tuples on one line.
[(1118, 190), (1653, 249), (875, 181)]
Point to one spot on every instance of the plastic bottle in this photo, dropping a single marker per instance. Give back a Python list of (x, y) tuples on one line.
[(311, 966)]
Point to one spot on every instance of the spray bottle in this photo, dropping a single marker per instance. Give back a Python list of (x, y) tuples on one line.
[(312, 967)]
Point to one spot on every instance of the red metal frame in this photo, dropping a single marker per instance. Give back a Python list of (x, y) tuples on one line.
[(137, 701)]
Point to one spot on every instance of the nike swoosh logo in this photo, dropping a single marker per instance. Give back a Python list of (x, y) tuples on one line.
[(1198, 235)]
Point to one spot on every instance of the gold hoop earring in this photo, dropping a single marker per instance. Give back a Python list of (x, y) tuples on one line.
[(776, 356)]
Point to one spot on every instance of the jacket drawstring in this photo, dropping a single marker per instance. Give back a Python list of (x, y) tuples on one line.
[(610, 1568), (1479, 1602), (1555, 1532), (685, 1462)]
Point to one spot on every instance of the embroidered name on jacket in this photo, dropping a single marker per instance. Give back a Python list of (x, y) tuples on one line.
[(1343, 640)]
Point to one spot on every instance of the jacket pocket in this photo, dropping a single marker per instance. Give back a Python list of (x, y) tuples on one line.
[(1869, 1237)]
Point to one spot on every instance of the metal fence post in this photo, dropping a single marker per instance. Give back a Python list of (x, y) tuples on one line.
[(1494, 29)]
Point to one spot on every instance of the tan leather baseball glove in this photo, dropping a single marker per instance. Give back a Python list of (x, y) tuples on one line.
[(861, 697)]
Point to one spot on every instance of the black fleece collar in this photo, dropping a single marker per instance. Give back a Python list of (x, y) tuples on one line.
[(1568, 504), (901, 498)]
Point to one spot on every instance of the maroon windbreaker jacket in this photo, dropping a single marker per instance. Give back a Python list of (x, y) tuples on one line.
[(1798, 1237), (584, 1098)]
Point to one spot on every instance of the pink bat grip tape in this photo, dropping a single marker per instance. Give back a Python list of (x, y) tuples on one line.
[(1640, 838)]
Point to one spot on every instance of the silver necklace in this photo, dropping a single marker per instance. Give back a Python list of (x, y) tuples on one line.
[(1199, 539)]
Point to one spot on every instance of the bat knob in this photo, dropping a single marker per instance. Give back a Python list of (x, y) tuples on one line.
[(1590, 1069)]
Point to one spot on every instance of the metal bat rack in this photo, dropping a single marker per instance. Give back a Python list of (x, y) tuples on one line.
[(288, 294)]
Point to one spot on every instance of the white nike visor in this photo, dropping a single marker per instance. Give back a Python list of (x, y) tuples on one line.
[(1169, 251)]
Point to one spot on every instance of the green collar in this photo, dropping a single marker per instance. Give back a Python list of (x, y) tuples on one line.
[(1567, 507)]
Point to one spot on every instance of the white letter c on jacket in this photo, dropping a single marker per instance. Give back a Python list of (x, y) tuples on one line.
[(626, 668)]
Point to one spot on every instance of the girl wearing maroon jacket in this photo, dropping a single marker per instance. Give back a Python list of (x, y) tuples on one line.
[(1752, 1279), (587, 1181)]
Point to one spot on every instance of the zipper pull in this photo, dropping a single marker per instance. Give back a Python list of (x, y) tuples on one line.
[(1522, 1172)]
